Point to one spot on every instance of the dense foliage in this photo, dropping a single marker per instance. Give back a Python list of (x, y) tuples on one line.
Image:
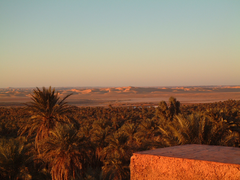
[(97, 142)]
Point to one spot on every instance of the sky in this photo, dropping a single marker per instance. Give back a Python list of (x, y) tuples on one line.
[(119, 43)]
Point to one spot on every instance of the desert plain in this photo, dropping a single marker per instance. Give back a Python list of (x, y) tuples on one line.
[(126, 96)]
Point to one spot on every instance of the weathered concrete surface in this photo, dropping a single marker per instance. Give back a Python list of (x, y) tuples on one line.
[(186, 162)]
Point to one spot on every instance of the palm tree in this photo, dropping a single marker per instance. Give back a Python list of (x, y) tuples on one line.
[(14, 159), (117, 146), (167, 113), (149, 135), (130, 129), (66, 152), (117, 157), (198, 129), (174, 106), (47, 110), (147, 129), (98, 137), (115, 169)]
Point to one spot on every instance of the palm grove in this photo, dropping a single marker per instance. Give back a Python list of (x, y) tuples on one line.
[(48, 139)]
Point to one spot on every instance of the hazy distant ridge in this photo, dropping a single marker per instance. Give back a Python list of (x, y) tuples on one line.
[(25, 92)]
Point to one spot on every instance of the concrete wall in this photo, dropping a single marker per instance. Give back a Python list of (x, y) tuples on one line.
[(187, 162)]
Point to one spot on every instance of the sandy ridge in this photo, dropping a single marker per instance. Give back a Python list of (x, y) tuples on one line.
[(128, 95)]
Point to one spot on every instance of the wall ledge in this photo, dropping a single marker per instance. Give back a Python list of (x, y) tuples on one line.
[(187, 162)]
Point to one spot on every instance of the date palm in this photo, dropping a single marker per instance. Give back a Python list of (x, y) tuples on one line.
[(115, 169), (174, 106), (117, 153), (14, 159), (147, 132), (130, 129), (199, 129), (47, 110), (99, 136), (66, 152)]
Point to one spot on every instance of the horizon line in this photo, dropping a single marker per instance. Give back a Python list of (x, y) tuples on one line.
[(12, 87)]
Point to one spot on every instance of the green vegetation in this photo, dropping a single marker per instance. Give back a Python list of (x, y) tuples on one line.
[(47, 139)]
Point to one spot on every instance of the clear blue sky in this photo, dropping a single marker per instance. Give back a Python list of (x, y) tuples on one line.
[(119, 43)]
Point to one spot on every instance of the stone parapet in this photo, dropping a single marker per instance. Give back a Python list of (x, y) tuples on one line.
[(187, 162)]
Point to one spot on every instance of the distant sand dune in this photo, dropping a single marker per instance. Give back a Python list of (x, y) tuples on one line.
[(128, 95)]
